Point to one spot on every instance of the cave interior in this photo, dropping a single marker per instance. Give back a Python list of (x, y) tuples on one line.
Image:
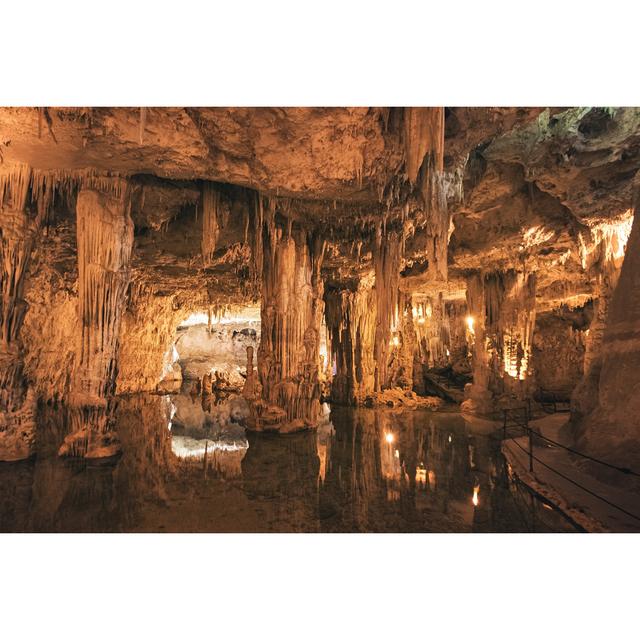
[(267, 263)]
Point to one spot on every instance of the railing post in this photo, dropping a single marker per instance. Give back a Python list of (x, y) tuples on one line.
[(530, 448)]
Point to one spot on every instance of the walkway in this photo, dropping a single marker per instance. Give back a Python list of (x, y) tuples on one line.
[(586, 510)]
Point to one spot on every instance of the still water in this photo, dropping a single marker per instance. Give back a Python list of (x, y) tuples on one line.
[(188, 466)]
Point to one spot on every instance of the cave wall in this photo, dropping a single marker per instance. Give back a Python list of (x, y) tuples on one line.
[(612, 428), (221, 347), (557, 357), (147, 336)]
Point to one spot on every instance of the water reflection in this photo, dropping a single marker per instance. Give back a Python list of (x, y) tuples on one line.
[(189, 466)]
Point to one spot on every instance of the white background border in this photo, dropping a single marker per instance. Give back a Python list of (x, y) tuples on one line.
[(331, 53)]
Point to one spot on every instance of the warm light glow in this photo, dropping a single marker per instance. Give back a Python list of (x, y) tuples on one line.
[(476, 491), (469, 320), (421, 320), (450, 438), (395, 341), (187, 447), (389, 438), (248, 316), (515, 356)]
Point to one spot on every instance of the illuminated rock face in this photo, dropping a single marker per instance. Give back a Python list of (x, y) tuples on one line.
[(503, 308), (611, 427)]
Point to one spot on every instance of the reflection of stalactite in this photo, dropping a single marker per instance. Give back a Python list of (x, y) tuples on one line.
[(353, 473), (282, 476)]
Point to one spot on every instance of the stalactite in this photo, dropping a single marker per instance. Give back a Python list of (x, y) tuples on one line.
[(210, 228), (142, 125), (423, 134), (257, 236)]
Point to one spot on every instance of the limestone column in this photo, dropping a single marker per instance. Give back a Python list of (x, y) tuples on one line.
[(287, 398), (105, 240), (17, 401), (350, 316), (478, 397)]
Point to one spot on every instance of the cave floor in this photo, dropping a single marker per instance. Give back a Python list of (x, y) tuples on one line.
[(587, 510), (362, 470)]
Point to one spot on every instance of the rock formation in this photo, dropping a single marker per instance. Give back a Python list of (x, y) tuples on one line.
[(390, 250)]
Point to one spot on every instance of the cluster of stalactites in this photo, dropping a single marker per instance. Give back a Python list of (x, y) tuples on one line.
[(16, 237), (606, 245), (23, 188), (424, 167), (387, 259), (105, 240)]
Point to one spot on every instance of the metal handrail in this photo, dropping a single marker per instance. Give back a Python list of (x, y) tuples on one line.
[(530, 432)]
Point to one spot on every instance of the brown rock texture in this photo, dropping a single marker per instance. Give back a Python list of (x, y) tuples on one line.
[(374, 232)]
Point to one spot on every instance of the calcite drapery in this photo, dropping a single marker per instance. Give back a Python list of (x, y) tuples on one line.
[(105, 240), (287, 397)]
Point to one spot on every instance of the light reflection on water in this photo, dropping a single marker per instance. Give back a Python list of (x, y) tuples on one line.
[(361, 470)]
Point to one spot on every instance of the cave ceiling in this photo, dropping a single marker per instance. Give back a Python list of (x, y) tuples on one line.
[(526, 187)]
